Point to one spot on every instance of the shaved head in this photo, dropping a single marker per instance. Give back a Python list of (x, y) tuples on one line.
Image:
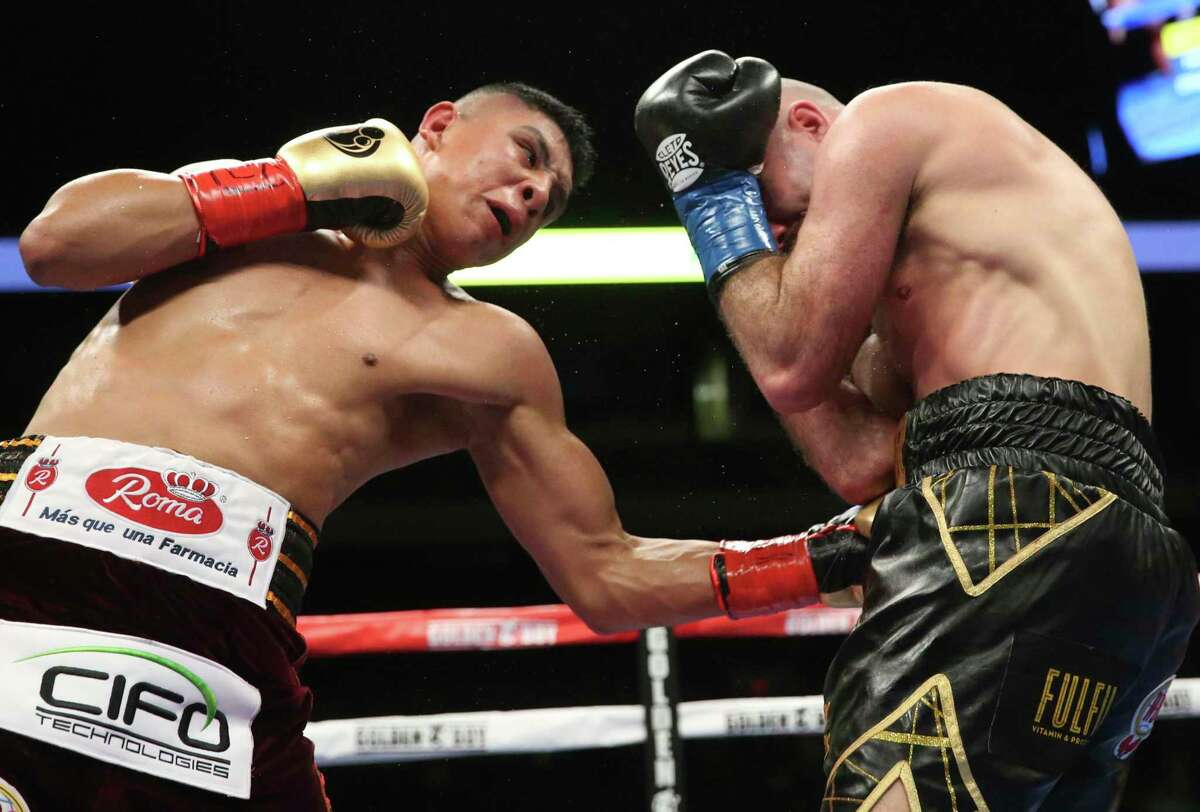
[(795, 90), (806, 112)]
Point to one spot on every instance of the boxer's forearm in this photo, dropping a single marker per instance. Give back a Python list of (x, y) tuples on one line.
[(108, 228), (847, 442), (652, 582), (795, 348)]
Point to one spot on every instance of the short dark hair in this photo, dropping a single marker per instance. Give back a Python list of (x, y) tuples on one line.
[(572, 122)]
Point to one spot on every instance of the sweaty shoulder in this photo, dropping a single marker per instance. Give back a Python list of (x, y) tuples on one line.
[(508, 360), (916, 103), (939, 130), (892, 124)]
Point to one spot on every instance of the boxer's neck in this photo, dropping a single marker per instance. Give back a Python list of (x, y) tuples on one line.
[(417, 257)]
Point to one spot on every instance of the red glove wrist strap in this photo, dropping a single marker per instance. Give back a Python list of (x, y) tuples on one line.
[(764, 577), (247, 202)]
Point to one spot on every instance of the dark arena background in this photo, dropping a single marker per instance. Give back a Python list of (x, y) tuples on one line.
[(652, 384)]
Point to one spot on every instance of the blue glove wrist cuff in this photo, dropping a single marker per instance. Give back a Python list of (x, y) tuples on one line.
[(726, 222)]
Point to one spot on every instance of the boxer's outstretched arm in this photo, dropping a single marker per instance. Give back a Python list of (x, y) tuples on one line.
[(557, 501), (799, 320), (110, 227), (551, 491)]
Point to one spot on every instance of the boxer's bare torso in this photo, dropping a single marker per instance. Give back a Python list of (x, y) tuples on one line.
[(1010, 260), (933, 220), (304, 363)]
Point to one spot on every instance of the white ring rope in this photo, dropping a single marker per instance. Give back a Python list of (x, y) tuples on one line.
[(549, 730)]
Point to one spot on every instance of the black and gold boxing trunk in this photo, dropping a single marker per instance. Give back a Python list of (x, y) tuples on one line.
[(1025, 606), (294, 567)]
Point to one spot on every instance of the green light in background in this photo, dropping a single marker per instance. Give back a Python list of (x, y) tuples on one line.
[(1181, 37), (711, 410), (593, 256)]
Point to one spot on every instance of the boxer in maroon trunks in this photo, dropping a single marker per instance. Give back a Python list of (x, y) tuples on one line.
[(76, 586), (291, 333)]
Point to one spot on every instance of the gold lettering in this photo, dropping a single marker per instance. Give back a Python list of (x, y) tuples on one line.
[(1062, 708), (1097, 692), (1046, 695), (1079, 705)]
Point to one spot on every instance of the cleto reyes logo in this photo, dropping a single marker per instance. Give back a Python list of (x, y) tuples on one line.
[(173, 502), (679, 164)]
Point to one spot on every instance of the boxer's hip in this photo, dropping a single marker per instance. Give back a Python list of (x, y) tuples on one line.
[(166, 510), (153, 558), (1072, 429), (1027, 540), (1004, 472)]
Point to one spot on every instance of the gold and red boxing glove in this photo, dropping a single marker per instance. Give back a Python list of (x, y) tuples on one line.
[(246, 202), (364, 179), (824, 563)]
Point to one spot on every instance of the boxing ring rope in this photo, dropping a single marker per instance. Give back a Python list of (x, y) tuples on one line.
[(528, 627), (394, 739)]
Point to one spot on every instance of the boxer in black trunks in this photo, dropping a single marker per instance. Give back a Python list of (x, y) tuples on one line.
[(290, 335), (1026, 602)]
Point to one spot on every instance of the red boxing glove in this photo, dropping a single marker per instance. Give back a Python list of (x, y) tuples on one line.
[(760, 577), (247, 202)]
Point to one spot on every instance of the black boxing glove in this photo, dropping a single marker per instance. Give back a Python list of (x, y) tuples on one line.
[(706, 122)]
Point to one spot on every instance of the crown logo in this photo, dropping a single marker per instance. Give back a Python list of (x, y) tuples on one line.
[(266, 529), (47, 462), (189, 486)]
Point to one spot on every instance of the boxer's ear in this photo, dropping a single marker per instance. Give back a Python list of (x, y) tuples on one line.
[(436, 121), (805, 117)]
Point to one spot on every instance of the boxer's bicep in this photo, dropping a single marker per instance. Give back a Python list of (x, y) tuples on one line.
[(108, 228), (546, 484), (556, 499)]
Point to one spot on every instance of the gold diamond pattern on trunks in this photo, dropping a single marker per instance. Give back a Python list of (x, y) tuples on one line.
[(991, 520), (921, 737)]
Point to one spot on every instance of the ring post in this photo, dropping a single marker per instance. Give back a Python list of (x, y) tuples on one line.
[(658, 673)]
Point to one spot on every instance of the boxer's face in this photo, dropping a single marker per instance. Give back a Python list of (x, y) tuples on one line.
[(497, 172), (787, 174)]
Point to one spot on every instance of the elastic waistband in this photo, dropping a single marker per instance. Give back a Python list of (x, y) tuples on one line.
[(1071, 428), (295, 562)]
